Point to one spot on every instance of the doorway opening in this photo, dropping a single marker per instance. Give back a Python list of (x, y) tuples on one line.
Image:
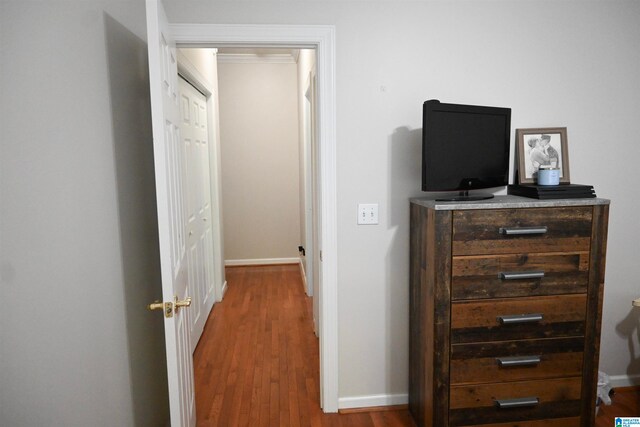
[(265, 149), (318, 37), (233, 162)]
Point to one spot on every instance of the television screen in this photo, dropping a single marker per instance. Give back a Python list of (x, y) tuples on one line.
[(464, 147)]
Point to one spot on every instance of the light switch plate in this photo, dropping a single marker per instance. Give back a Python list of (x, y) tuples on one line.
[(367, 213)]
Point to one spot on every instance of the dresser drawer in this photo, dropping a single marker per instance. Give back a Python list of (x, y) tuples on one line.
[(505, 231), (478, 363), (555, 422), (513, 275), (517, 318), (516, 401)]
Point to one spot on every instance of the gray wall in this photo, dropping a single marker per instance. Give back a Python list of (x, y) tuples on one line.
[(64, 353), (259, 157), (78, 255), (569, 63)]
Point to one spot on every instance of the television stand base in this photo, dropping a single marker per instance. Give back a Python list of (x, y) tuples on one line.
[(464, 196)]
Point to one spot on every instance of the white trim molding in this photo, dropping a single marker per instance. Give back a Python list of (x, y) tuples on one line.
[(260, 261), (624, 380), (303, 275), (373, 401), (252, 58), (251, 35), (322, 38), (224, 290), (191, 74)]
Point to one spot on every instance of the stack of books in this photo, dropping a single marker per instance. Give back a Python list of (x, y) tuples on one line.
[(562, 191)]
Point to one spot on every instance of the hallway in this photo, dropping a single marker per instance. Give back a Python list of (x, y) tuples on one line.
[(257, 360)]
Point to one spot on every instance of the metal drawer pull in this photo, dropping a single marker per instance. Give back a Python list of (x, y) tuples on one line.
[(506, 362), (520, 402), (513, 319), (520, 231), (518, 275)]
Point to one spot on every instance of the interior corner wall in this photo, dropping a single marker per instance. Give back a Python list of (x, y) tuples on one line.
[(570, 63), (78, 256), (259, 156)]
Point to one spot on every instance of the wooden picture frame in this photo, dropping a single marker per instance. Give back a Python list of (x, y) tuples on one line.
[(541, 146)]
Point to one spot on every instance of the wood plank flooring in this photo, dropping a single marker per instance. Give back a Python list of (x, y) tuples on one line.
[(257, 361), (624, 403)]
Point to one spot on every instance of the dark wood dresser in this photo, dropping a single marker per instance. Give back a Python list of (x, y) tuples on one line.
[(505, 311)]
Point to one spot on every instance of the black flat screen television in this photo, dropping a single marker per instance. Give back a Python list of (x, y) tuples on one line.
[(464, 147)]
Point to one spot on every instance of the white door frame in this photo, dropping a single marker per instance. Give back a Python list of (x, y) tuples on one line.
[(322, 38)]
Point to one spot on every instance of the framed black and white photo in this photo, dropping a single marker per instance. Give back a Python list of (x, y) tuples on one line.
[(538, 147)]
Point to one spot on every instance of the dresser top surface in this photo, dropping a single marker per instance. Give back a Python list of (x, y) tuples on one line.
[(506, 202)]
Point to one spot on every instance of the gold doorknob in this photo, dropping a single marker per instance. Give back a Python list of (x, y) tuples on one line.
[(157, 305), (167, 307), (183, 303)]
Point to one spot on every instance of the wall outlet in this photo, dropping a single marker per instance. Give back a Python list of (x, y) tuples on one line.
[(367, 213)]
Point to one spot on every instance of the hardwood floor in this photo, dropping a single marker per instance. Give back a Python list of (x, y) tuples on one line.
[(624, 403), (257, 361)]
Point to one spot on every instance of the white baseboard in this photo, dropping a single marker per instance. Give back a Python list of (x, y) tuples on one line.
[(372, 401), (375, 400), (260, 261), (624, 380), (303, 275), (224, 289)]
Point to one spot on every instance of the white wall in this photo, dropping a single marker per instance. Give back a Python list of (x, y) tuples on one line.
[(259, 154), (78, 255), (570, 63)]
